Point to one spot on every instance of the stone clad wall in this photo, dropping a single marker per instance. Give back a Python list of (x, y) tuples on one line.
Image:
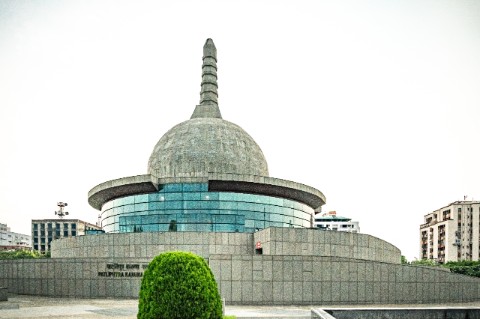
[(73, 277), (250, 280), (274, 241), (309, 280), (314, 242), (150, 244), (297, 267)]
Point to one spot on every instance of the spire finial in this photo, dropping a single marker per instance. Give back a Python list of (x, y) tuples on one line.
[(208, 95)]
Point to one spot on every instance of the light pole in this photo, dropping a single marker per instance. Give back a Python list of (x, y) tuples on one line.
[(60, 211)]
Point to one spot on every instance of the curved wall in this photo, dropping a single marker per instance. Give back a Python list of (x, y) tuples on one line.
[(150, 244), (273, 241), (250, 280), (316, 242), (191, 207), (297, 267)]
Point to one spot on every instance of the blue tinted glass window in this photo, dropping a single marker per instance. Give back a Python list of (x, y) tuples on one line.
[(141, 207), (173, 196), (259, 224), (156, 205), (210, 204), (209, 196), (170, 188), (154, 197), (225, 228), (191, 196), (225, 219), (195, 208), (195, 187), (128, 208), (141, 198), (191, 205), (107, 205), (173, 205), (229, 205)]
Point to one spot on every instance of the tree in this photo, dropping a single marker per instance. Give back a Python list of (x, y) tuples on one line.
[(178, 285)]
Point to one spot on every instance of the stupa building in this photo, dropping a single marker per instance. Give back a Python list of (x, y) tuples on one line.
[(207, 190), (205, 174)]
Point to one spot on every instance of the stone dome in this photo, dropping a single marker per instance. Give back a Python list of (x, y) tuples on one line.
[(206, 145)]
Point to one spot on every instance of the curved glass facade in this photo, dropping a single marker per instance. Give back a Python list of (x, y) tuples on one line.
[(191, 207)]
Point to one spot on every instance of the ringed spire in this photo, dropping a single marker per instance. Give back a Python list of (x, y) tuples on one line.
[(208, 107)]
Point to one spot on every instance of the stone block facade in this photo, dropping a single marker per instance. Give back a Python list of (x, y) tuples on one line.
[(297, 267), (150, 244), (250, 280), (314, 242), (308, 280)]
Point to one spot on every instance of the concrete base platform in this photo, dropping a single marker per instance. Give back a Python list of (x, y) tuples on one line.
[(8, 305), (55, 308), (457, 312)]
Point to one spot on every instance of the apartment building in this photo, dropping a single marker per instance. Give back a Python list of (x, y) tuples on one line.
[(46, 230), (330, 221), (451, 233), (13, 241)]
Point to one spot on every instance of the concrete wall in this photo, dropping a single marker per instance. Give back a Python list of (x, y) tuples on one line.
[(308, 280), (150, 244), (250, 280), (274, 241), (297, 267), (72, 277), (314, 242)]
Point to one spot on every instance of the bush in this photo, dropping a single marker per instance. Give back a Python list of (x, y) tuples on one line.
[(178, 285), (464, 267), (22, 254)]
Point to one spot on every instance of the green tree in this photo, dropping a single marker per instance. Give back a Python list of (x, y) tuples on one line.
[(424, 262), (464, 267), (178, 285), (23, 254)]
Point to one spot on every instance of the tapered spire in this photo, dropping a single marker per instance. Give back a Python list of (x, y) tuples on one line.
[(209, 94)]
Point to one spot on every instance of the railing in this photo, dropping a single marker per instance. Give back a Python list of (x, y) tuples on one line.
[(322, 314)]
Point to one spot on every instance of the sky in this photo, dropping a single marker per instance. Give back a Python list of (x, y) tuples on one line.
[(375, 103)]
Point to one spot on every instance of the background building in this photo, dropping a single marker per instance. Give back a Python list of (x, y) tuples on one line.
[(451, 233), (13, 241), (46, 230), (331, 221)]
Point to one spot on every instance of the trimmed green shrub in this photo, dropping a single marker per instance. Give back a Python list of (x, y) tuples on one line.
[(23, 254), (178, 285)]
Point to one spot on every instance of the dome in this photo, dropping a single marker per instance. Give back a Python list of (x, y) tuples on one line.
[(206, 145)]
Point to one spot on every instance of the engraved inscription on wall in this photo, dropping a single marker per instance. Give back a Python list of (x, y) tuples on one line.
[(123, 270)]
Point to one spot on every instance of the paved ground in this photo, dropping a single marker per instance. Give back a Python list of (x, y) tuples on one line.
[(44, 307)]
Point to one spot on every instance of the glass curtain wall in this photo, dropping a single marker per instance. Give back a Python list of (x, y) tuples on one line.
[(191, 207)]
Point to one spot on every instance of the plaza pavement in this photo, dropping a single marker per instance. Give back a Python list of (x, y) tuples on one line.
[(53, 308), (22, 306)]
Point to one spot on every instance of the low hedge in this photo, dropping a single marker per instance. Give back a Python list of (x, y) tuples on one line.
[(178, 285)]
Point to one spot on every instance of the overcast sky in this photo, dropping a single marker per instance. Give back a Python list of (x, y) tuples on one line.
[(375, 103)]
